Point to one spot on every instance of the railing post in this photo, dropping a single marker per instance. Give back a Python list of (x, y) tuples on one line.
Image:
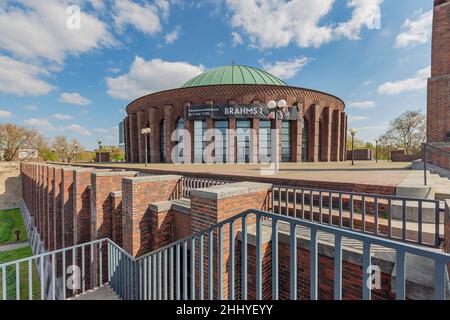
[(425, 156)]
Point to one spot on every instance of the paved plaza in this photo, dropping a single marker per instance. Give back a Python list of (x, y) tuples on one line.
[(380, 173)]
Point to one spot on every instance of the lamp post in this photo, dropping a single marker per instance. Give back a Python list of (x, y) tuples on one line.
[(99, 141), (389, 152), (76, 152), (377, 141), (146, 133), (61, 150), (353, 133), (276, 106)]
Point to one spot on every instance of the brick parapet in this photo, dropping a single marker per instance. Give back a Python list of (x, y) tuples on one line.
[(138, 193)]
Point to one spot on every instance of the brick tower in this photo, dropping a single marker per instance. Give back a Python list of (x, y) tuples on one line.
[(438, 110)]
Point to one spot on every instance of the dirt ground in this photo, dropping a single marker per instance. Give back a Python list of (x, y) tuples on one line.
[(10, 185)]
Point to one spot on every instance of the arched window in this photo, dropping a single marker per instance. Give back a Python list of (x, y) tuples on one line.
[(321, 136), (162, 142), (149, 158), (304, 140), (180, 138)]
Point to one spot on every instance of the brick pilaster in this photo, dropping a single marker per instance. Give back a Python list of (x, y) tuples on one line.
[(212, 205), (137, 194)]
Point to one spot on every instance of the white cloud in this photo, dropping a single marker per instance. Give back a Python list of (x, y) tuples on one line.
[(416, 31), (286, 69), (356, 118), (97, 4), (76, 128), (366, 13), (5, 114), (22, 78), (42, 124), (278, 23), (173, 36), (236, 39), (59, 116), (144, 18), (362, 104), (31, 107), (37, 29), (146, 77), (74, 98), (418, 82)]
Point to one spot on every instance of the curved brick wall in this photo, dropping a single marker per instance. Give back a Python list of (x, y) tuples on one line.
[(167, 106)]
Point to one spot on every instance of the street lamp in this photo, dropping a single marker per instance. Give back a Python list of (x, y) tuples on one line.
[(389, 152), (146, 133), (276, 106), (99, 142), (353, 133), (62, 153), (377, 141), (75, 152)]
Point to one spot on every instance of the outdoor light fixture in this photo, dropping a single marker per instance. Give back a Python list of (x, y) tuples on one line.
[(99, 142), (146, 132), (75, 152), (275, 107), (377, 141), (353, 133)]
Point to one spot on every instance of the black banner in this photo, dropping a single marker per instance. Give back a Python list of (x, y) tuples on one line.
[(239, 111)]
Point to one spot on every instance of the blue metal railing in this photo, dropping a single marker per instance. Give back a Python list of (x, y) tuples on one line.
[(217, 263), (193, 267), (381, 215)]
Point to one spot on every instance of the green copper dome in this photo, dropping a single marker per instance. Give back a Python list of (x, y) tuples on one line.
[(234, 75)]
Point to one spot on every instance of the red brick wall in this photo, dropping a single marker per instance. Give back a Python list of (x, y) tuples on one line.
[(58, 207), (438, 113), (116, 217), (182, 225), (207, 210), (68, 206), (137, 195), (102, 183), (81, 205)]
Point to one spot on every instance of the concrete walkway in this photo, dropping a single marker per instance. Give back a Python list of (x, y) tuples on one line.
[(13, 246), (101, 293)]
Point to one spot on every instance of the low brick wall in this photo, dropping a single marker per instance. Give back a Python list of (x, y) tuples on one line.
[(361, 154), (401, 156)]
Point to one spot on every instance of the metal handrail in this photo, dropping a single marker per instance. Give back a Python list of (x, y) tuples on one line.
[(171, 273), (168, 276), (322, 203), (427, 146)]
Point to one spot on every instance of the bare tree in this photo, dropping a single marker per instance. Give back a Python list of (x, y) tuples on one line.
[(64, 149), (408, 131), (13, 138)]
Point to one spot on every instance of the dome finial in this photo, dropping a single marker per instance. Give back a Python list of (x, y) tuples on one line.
[(233, 62)]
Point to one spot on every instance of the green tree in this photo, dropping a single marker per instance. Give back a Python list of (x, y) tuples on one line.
[(13, 138), (408, 131)]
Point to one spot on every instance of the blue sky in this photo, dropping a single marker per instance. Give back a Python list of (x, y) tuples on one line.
[(78, 81)]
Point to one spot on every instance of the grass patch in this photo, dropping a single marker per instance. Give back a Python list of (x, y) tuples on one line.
[(12, 255), (10, 221)]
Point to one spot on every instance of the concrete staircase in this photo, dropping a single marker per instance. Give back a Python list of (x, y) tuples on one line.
[(438, 184)]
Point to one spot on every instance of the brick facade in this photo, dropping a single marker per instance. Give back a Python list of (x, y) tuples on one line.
[(438, 110), (138, 193), (165, 108)]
